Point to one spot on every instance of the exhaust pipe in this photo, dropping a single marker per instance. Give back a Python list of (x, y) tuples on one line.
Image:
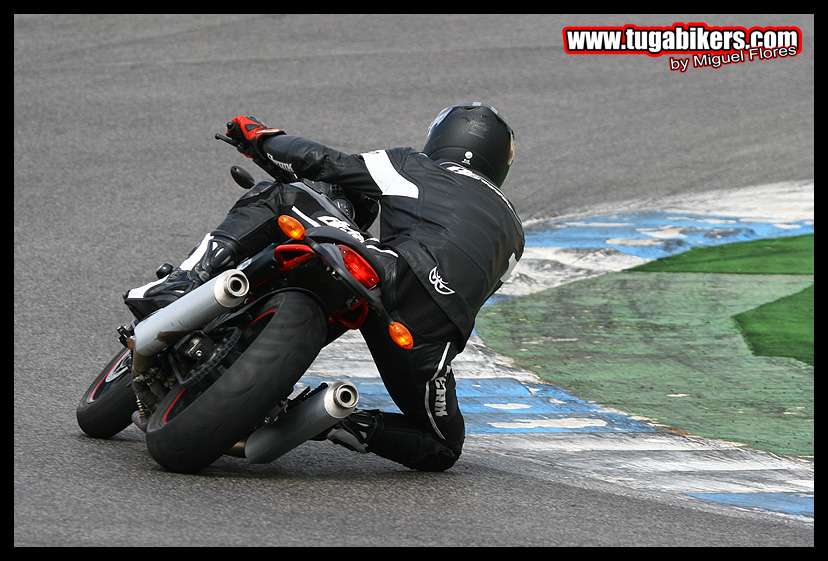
[(305, 420), (190, 312)]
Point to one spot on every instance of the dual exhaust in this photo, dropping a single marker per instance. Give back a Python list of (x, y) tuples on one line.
[(319, 412)]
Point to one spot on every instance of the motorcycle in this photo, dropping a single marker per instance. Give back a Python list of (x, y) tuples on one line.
[(214, 371)]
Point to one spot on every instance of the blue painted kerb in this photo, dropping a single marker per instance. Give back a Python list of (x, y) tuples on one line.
[(489, 402), (801, 504)]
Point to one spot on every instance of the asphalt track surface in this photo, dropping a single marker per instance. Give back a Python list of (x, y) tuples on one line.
[(116, 171)]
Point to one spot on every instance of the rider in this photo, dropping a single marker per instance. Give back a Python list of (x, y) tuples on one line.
[(449, 237)]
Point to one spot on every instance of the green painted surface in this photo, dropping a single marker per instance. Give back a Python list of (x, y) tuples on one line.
[(631, 340), (784, 327), (781, 328), (787, 256)]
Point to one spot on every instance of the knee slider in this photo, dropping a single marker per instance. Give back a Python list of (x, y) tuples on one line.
[(412, 447), (440, 460)]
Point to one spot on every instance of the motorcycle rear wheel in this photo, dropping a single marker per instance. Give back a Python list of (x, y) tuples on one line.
[(193, 426)]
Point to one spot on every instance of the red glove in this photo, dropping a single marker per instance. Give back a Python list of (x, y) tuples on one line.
[(249, 132)]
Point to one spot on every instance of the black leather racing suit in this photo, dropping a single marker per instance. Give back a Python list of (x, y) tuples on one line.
[(449, 236)]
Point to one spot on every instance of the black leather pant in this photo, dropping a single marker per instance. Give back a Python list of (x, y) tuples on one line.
[(429, 433)]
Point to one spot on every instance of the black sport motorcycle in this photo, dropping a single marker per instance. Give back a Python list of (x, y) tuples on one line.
[(214, 371)]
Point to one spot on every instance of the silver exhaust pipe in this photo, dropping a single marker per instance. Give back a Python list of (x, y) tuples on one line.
[(305, 420), (196, 309)]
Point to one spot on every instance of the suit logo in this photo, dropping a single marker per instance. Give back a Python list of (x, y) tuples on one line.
[(440, 397), (284, 165), (438, 283)]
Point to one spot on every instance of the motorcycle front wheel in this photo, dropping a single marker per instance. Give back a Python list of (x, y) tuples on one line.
[(106, 407)]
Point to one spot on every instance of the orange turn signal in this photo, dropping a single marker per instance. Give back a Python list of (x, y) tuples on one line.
[(400, 335), (291, 227)]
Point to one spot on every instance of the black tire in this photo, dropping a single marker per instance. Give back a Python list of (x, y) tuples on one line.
[(106, 407), (190, 430)]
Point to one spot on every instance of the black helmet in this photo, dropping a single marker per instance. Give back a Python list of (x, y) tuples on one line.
[(474, 135)]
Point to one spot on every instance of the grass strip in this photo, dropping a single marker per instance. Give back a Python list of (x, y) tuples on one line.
[(780, 256), (784, 327)]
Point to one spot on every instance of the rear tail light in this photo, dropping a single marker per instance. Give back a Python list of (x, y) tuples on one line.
[(359, 267)]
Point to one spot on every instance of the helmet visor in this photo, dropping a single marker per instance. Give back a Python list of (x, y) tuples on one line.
[(512, 151)]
